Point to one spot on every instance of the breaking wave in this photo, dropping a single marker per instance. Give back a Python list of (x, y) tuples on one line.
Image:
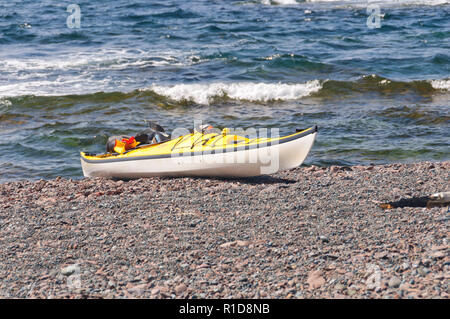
[(441, 84), (209, 93), (218, 92), (257, 92)]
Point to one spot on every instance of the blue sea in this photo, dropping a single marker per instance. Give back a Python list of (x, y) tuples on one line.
[(373, 75)]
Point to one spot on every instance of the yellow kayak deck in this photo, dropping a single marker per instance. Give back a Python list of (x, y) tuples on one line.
[(195, 143)]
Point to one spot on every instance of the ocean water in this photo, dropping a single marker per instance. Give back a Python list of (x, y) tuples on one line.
[(373, 75)]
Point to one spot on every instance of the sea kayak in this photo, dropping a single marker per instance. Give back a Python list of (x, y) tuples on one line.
[(199, 154)]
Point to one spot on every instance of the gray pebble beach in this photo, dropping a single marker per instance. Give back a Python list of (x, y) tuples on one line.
[(310, 232)]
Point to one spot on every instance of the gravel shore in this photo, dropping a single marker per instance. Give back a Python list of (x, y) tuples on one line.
[(310, 232)]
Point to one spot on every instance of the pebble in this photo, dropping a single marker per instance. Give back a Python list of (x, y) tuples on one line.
[(438, 254), (394, 282), (155, 291), (180, 289), (138, 289), (423, 271), (298, 295), (324, 239), (351, 292), (69, 270), (315, 279)]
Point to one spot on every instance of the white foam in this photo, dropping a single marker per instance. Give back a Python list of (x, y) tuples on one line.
[(5, 103), (61, 86), (382, 3), (100, 60), (441, 84), (263, 92), (279, 2), (79, 72)]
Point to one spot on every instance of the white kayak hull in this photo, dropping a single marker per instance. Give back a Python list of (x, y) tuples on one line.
[(238, 163)]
